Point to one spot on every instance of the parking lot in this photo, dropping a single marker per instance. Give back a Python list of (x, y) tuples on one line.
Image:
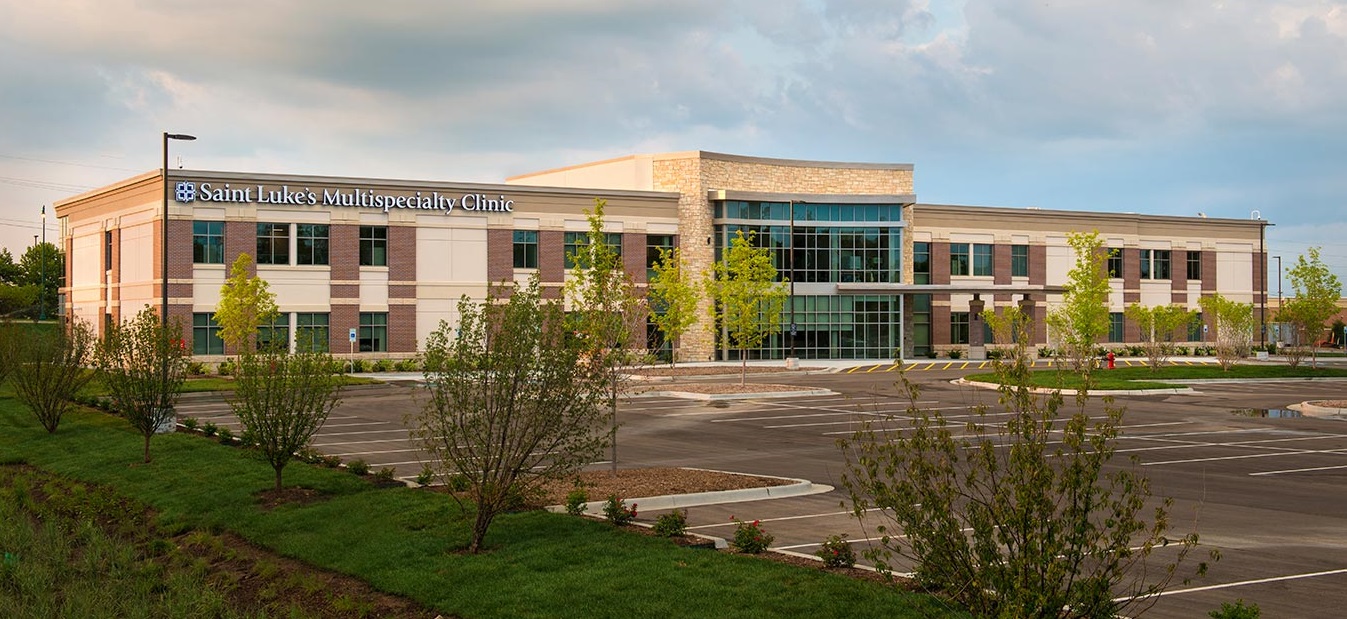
[(1266, 491)]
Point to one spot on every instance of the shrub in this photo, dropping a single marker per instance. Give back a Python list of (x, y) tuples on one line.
[(617, 512), (1236, 611), (384, 365), (358, 466), (837, 552), (226, 436), (672, 524), (459, 482), (749, 537), (385, 475), (995, 353), (196, 368), (208, 428), (407, 365), (575, 501), (226, 368), (309, 455), (426, 476), (189, 422), (955, 353), (331, 462)]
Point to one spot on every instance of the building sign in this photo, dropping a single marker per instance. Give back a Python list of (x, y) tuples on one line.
[(188, 192)]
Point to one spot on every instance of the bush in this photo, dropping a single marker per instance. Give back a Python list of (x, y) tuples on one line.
[(617, 512), (309, 455), (385, 475), (575, 501), (208, 428), (995, 353), (1236, 611), (331, 462), (196, 368), (226, 436), (672, 524), (459, 483), (358, 466), (226, 368), (955, 353), (837, 552), (426, 476), (1045, 352), (189, 422), (383, 365), (407, 365), (749, 537)]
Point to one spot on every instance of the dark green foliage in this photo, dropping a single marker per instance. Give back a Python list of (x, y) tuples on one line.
[(142, 363), (617, 512), (49, 370), (1236, 611), (836, 551), (749, 537), (282, 399), (358, 466), (672, 524)]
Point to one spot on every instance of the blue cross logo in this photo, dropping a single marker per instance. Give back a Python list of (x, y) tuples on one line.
[(185, 191)]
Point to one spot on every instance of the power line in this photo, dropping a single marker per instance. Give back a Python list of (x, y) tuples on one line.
[(69, 163), (37, 184)]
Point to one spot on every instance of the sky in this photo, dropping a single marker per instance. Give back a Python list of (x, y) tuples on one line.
[(1232, 108)]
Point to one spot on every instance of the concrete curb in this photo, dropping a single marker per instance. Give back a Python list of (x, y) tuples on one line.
[(1319, 412), (1045, 390), (206, 395), (688, 395), (801, 487)]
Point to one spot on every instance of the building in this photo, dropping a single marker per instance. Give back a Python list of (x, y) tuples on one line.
[(374, 265)]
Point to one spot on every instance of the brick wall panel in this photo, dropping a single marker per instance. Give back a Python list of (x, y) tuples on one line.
[(240, 238), (344, 252), (551, 256), (500, 255), (402, 329), (401, 254), (1000, 264), (1038, 265), (633, 255), (341, 319), (1208, 272), (940, 264)]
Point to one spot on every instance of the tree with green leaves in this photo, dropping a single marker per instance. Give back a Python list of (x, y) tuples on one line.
[(604, 311), (1081, 321), (1316, 291), (1235, 324), (142, 363), (43, 267), (747, 299), (673, 298), (1020, 512), (1158, 326), (513, 402), (49, 370), (282, 399), (245, 305), (10, 339)]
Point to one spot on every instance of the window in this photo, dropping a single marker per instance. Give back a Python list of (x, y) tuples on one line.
[(654, 244), (958, 259), (1019, 261), (373, 333), (958, 327), (311, 244), (1194, 265), (525, 249), (576, 240), (1195, 332), (1155, 264), (1115, 263), (107, 250), (1115, 327), (921, 263), (373, 246), (982, 260), (206, 335), (208, 242), (276, 334), (311, 332), (273, 243)]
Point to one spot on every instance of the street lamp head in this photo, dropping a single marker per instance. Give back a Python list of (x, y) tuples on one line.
[(179, 136)]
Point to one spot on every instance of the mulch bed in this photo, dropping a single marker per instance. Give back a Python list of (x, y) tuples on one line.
[(655, 481)]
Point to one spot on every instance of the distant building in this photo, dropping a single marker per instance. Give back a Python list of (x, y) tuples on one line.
[(373, 265)]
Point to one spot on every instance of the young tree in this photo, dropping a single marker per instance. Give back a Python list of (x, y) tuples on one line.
[(1158, 325), (1020, 512), (604, 312), (1234, 327), (673, 298), (49, 370), (245, 305), (747, 298), (1317, 291), (282, 399), (142, 363), (1082, 318), (513, 404)]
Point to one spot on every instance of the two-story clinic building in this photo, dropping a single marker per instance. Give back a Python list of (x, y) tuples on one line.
[(374, 265)]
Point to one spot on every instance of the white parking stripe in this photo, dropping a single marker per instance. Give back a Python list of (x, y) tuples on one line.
[(1300, 452), (322, 434), (373, 453), (1243, 583), (1317, 468), (801, 517)]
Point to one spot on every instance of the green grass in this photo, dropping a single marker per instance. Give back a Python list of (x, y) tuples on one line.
[(1144, 378), (404, 541), (218, 383)]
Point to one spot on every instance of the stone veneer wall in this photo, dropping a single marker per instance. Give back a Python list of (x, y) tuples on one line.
[(694, 174)]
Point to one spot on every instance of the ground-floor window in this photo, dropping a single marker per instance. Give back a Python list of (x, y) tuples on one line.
[(834, 327), (921, 325), (373, 335), (275, 335), (958, 327), (206, 335), (1115, 327), (311, 332)]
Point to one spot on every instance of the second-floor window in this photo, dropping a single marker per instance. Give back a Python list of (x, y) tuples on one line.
[(373, 246), (273, 243), (311, 244)]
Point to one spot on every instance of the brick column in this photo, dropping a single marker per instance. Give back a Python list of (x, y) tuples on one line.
[(1132, 274), (341, 318), (633, 256), (975, 335), (500, 255), (402, 289), (344, 252), (1001, 264), (939, 265), (551, 262), (180, 268), (240, 238)]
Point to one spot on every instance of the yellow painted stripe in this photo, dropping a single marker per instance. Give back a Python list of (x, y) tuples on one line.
[(983, 364), (893, 367), (947, 365), (872, 368), (1189, 362), (911, 365), (854, 369), (965, 365), (931, 365)]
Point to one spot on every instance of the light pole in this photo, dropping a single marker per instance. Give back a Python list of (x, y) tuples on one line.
[(42, 266), (163, 236)]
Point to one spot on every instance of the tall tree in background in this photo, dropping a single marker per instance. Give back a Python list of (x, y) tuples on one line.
[(43, 267), (1158, 326), (513, 403), (50, 369), (604, 311), (283, 399), (1235, 322), (673, 298), (142, 364), (245, 305), (1317, 291), (1082, 318), (748, 299)]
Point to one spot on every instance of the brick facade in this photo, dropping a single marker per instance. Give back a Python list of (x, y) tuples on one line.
[(500, 255)]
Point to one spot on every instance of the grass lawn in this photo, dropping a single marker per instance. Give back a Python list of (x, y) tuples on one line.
[(214, 383), (405, 541), (1144, 378)]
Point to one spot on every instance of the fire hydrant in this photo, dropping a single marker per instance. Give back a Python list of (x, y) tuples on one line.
[(1110, 359)]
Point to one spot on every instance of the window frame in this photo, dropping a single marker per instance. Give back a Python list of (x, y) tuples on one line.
[(983, 263), (267, 237), (960, 259), (1117, 328), (921, 262), (653, 250), (524, 246), (573, 241), (208, 242), (278, 331), (1019, 261), (373, 246), (372, 331), (206, 335), (304, 321), (1194, 260), (1114, 265), (313, 244), (1156, 264), (959, 329)]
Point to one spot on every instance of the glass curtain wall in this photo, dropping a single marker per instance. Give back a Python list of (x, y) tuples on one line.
[(825, 244)]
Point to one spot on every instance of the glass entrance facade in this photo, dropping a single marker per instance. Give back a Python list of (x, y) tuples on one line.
[(818, 246)]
